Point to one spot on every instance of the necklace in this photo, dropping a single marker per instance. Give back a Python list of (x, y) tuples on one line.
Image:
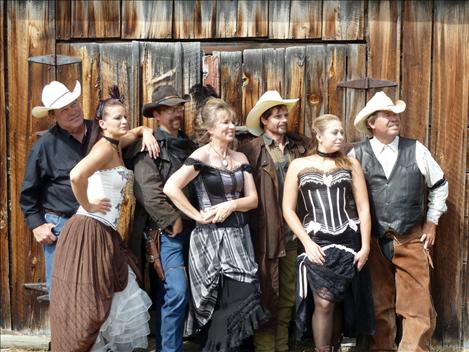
[(114, 143), (328, 155), (223, 160)]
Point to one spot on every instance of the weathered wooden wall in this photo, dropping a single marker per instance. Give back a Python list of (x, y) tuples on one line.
[(243, 48)]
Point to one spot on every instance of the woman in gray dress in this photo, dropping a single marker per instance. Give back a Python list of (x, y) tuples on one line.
[(222, 270)]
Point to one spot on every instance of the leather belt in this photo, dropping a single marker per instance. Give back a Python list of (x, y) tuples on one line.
[(58, 213)]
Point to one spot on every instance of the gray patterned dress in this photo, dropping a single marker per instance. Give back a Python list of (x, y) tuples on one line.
[(222, 270)]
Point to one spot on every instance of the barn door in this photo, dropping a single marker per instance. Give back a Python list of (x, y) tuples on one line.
[(309, 72)]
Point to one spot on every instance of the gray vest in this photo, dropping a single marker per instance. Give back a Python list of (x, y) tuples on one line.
[(398, 203)]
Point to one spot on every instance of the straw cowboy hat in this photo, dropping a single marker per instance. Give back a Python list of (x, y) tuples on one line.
[(269, 99), (379, 102), (55, 96), (163, 96)]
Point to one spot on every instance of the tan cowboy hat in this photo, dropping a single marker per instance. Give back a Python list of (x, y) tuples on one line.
[(163, 96), (379, 102), (269, 99), (55, 96)]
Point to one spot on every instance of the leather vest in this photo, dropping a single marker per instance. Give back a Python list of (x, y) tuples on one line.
[(397, 203)]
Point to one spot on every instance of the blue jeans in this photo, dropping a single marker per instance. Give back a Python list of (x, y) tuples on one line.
[(49, 249), (172, 294)]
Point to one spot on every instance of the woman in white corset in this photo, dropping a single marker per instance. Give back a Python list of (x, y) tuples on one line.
[(325, 203), (96, 303)]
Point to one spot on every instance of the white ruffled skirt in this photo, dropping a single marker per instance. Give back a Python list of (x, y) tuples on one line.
[(126, 328)]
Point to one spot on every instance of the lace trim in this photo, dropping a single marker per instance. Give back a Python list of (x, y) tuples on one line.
[(315, 227), (198, 165)]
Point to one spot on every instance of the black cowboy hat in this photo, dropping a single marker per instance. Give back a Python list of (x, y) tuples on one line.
[(163, 96)]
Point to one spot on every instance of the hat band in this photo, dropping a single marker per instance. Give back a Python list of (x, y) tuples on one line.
[(167, 98), (56, 100)]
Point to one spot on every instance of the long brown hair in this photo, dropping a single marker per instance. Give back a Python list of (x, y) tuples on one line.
[(115, 98), (318, 126)]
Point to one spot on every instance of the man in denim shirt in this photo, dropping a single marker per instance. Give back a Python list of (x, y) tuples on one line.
[(46, 195)]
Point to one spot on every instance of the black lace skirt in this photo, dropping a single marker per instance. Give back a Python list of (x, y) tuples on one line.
[(337, 280)]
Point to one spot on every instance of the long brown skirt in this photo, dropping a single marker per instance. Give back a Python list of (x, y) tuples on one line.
[(90, 264)]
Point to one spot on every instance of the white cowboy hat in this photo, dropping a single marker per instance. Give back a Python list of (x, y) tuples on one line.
[(269, 99), (379, 102), (55, 96)]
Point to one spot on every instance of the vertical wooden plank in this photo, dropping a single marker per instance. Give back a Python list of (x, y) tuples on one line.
[(192, 71), (355, 99), (30, 32), (195, 19), (315, 85), (5, 314), (231, 81), (465, 274), (279, 19), (253, 83), (161, 65), (211, 71), (147, 19), (305, 19), (450, 79), (336, 73), (96, 19), (63, 12), (294, 86), (90, 91), (120, 72), (227, 13), (384, 22), (343, 20), (274, 70), (416, 67), (252, 18)]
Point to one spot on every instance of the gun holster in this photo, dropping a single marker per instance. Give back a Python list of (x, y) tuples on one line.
[(152, 246)]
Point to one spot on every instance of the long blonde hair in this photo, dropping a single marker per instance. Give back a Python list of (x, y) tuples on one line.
[(318, 126)]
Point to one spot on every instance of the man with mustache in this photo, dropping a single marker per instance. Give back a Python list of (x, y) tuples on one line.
[(46, 196), (399, 171), (155, 213), (275, 249)]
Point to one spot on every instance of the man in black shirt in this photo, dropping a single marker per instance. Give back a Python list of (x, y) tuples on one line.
[(46, 195)]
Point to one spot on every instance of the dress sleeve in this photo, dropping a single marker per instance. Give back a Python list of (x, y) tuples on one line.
[(247, 168), (197, 164)]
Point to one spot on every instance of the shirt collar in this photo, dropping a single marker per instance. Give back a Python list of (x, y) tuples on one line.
[(378, 147), (269, 141)]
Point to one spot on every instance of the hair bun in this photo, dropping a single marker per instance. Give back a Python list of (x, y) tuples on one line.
[(114, 93)]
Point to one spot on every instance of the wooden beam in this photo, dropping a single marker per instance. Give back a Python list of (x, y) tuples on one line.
[(231, 81), (384, 22), (305, 19), (24, 21), (355, 99), (294, 85), (195, 19), (147, 19), (343, 20), (96, 19), (5, 312), (252, 18), (253, 82), (450, 77), (192, 74), (315, 86), (336, 72), (416, 67), (63, 13)]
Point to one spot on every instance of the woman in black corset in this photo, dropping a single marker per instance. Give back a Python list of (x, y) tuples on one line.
[(222, 270), (325, 203)]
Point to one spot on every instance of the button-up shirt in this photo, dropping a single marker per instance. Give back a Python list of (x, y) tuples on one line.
[(281, 160), (46, 183), (431, 171)]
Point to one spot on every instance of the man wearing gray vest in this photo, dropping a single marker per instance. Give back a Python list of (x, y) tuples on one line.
[(398, 172)]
